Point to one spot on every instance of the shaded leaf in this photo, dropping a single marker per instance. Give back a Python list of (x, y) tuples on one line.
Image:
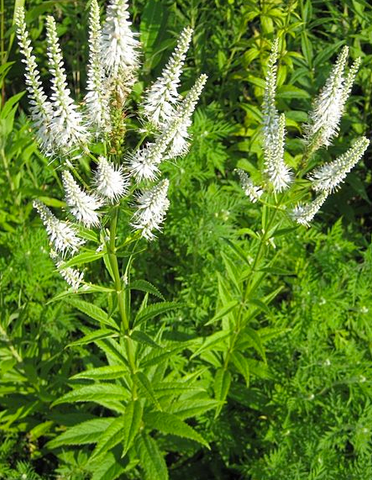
[(151, 459), (83, 433), (170, 424)]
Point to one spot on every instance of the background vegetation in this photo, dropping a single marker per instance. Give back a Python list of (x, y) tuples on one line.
[(305, 410)]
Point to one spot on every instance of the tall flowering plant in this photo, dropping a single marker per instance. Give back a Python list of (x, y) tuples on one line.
[(288, 196), (121, 200)]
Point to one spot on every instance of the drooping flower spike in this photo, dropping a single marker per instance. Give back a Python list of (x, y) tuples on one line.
[(305, 213), (71, 275), (82, 205), (62, 235), (250, 189)]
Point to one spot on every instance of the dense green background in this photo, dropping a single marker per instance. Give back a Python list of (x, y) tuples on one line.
[(308, 413)]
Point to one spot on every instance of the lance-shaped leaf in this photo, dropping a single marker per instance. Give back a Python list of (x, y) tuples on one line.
[(222, 381), (242, 365), (170, 424), (192, 407), (122, 430), (83, 258), (152, 460), (83, 433), (144, 384), (212, 341), (110, 372), (154, 310), (92, 311), (99, 334), (145, 286), (95, 393)]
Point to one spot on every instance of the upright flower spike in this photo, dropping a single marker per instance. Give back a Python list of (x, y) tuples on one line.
[(277, 171), (328, 106), (270, 112), (110, 182), (82, 206), (41, 109), (62, 235), (251, 190), (329, 176), (305, 213), (152, 207), (162, 97), (97, 97), (349, 81), (67, 122), (119, 46), (180, 144), (144, 165)]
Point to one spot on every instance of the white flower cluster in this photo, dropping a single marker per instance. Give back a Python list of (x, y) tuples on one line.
[(172, 142), (330, 104), (64, 128), (250, 189), (162, 97), (322, 128), (152, 207), (61, 125)]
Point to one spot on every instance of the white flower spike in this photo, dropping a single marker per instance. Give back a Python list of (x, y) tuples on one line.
[(180, 143), (110, 181), (270, 112), (329, 105), (251, 190), (277, 171), (82, 206), (62, 235), (67, 121), (144, 165), (303, 214), (162, 97), (152, 207), (329, 176), (71, 275), (97, 97), (41, 109), (119, 46)]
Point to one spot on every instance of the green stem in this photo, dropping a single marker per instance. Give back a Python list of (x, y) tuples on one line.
[(115, 269), (263, 240), (239, 325), (7, 171), (119, 287)]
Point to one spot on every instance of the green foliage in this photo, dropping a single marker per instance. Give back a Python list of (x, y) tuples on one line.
[(240, 372)]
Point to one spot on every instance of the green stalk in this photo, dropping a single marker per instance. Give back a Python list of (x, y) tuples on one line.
[(249, 288), (119, 287), (7, 171)]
